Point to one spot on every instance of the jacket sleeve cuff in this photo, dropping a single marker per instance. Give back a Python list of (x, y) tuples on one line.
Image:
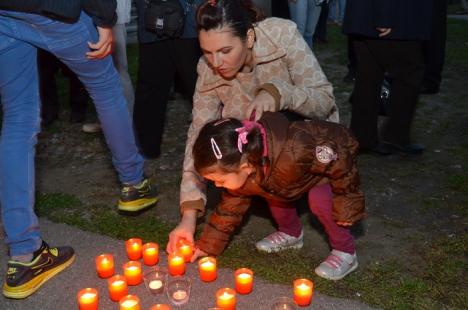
[(273, 91), (198, 205)]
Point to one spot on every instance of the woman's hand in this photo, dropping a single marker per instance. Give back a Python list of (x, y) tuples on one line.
[(345, 224), (103, 47), (262, 103), (197, 253), (384, 31), (185, 230)]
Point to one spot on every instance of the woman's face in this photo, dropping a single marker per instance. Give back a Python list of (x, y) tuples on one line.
[(224, 51)]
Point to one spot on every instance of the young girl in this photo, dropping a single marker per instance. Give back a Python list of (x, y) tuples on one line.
[(281, 160)]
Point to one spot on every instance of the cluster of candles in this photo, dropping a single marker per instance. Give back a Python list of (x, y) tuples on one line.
[(132, 276)]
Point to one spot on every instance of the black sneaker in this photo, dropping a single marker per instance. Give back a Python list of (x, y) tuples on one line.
[(137, 197), (23, 279)]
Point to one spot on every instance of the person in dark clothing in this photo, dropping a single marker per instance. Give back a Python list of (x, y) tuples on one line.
[(388, 38), (280, 8), (320, 35), (434, 49), (48, 66), (160, 62), (67, 29)]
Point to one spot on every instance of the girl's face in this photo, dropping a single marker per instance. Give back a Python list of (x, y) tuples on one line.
[(224, 51), (229, 180)]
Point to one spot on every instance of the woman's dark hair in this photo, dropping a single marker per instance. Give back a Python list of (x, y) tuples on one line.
[(225, 137), (239, 15)]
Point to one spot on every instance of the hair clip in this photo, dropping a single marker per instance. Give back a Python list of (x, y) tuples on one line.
[(216, 151), (242, 138), (223, 120)]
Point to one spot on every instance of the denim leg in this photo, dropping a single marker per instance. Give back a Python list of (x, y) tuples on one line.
[(21, 124), (332, 10), (69, 42), (342, 10), (313, 15), (298, 12)]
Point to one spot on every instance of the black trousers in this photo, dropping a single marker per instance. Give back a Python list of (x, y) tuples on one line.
[(158, 66), (403, 60), (434, 49)]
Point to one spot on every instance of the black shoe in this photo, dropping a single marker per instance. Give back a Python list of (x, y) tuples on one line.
[(430, 90), (379, 149), (137, 197), (23, 279), (407, 149)]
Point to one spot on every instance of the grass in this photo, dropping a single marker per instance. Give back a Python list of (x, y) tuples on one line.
[(439, 282)]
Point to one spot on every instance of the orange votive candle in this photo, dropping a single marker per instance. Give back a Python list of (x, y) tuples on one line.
[(150, 253), (88, 299), (118, 288), (207, 269), (105, 265), (185, 248), (161, 307), (133, 246), (303, 289), (132, 272), (244, 280), (130, 302), (226, 298), (176, 264)]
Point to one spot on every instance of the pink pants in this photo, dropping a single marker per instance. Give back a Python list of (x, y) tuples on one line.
[(321, 204)]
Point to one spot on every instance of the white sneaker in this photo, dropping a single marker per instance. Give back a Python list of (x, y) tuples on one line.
[(279, 241), (91, 127), (337, 265)]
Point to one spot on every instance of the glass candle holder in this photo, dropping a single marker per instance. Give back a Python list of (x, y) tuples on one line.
[(105, 265), (284, 303), (244, 280), (150, 252), (118, 288), (133, 247), (178, 290), (132, 272), (303, 289), (130, 302), (88, 299), (207, 269), (155, 280), (226, 298)]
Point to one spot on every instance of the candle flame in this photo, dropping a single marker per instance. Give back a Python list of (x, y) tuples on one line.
[(129, 303), (118, 283)]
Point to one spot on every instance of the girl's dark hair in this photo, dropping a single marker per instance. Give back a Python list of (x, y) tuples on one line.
[(225, 136), (239, 15)]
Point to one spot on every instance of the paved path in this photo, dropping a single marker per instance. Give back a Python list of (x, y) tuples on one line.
[(59, 293)]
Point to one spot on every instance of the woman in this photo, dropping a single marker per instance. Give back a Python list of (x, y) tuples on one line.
[(250, 66)]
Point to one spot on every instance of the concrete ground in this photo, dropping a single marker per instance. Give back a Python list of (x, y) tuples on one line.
[(60, 292)]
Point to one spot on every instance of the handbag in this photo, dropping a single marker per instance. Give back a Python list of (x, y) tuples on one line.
[(165, 17)]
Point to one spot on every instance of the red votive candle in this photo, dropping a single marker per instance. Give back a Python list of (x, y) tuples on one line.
[(303, 289), (88, 299), (226, 298), (244, 280), (132, 272), (118, 288), (207, 269), (161, 307), (176, 264), (133, 246), (130, 302), (185, 248), (150, 253), (105, 265)]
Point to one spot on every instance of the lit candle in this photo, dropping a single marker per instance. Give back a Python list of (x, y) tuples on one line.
[(176, 264), (303, 289), (226, 299), (161, 307), (207, 269), (185, 248), (117, 287), (179, 295), (132, 272), (88, 299), (133, 247), (105, 265), (130, 302), (150, 253), (244, 280)]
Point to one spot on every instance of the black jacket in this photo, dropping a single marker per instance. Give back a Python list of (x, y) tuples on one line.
[(102, 11), (409, 19)]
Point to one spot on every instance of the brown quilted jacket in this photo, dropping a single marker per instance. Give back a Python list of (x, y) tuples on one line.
[(301, 155)]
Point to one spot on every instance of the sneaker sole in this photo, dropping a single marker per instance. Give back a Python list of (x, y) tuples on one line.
[(27, 289), (338, 277), (297, 246), (136, 205)]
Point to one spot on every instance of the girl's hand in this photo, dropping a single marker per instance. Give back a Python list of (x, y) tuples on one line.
[(345, 224), (198, 253), (185, 230), (262, 103)]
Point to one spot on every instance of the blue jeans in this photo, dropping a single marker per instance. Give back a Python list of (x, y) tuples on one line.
[(336, 7), (305, 13), (20, 35)]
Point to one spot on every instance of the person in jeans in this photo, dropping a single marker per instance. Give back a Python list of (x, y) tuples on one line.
[(305, 13), (280, 161), (71, 35)]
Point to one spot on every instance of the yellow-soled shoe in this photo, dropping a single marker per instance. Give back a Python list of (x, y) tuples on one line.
[(137, 197), (23, 279)]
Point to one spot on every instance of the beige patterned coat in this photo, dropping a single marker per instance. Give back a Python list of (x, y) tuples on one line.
[(282, 60)]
